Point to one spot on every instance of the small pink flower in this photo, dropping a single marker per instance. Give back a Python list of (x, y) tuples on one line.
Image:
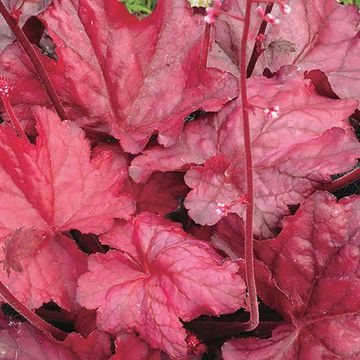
[(285, 8), (213, 12), (272, 112), (268, 17), (5, 87)]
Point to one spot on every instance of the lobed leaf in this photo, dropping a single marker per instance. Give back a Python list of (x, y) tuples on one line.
[(157, 275)]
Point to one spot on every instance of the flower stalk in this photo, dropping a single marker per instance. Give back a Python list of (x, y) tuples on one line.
[(249, 245)]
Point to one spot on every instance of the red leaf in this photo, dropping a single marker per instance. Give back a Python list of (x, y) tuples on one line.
[(314, 262), (159, 274), (229, 31), (129, 346), (229, 236), (196, 144), (24, 342), (280, 346), (48, 274), (20, 246), (322, 35), (95, 347), (25, 9), (160, 194), (122, 87), (54, 185), (293, 154), (317, 35)]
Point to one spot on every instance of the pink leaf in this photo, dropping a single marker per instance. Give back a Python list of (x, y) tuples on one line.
[(214, 193), (48, 274), (54, 184), (293, 154), (24, 342), (196, 144), (20, 246), (160, 194), (314, 263), (159, 274), (127, 81), (95, 347), (228, 236), (319, 35), (229, 30), (133, 347)]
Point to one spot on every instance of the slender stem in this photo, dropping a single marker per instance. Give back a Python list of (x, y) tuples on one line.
[(35, 59), (29, 315), (343, 181), (205, 46), (249, 246), (255, 53), (13, 117)]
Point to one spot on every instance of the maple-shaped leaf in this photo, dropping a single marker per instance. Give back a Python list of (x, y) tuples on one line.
[(157, 275), (160, 194), (54, 185), (294, 152), (320, 35), (50, 273), (314, 262), (114, 70), (133, 347)]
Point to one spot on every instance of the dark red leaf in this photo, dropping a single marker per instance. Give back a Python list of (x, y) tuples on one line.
[(314, 263), (114, 70)]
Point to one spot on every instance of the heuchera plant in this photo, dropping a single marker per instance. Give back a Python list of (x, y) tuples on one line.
[(165, 183)]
